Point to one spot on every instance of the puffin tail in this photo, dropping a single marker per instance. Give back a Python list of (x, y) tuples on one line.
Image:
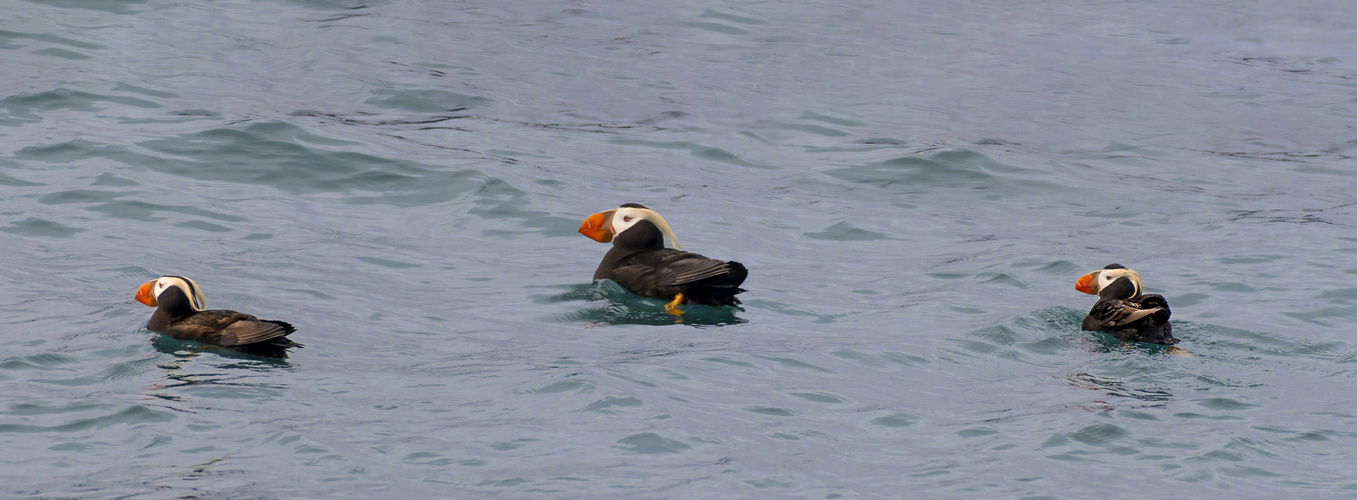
[(1157, 333), (272, 348), (719, 290)]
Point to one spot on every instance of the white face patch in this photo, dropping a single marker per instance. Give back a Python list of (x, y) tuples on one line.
[(625, 217), (1107, 276), (185, 285)]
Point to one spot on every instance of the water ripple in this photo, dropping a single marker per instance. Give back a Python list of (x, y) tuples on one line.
[(913, 188)]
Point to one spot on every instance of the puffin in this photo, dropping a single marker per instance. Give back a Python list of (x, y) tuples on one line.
[(640, 263), (179, 314), (1121, 310)]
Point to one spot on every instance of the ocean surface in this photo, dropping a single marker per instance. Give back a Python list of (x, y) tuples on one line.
[(914, 186)]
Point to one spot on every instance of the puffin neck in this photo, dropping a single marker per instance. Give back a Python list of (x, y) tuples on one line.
[(175, 303), (1120, 288), (641, 237), (644, 235)]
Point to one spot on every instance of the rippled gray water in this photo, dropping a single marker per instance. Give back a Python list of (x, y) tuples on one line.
[(914, 186)]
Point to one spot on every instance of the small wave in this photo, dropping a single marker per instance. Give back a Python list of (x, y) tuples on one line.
[(617, 306)]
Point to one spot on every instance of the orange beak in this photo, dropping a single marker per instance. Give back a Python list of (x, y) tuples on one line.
[(1085, 284), (599, 227), (144, 294)]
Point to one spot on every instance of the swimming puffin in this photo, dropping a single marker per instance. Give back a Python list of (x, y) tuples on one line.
[(640, 262), (1121, 310), (179, 313)]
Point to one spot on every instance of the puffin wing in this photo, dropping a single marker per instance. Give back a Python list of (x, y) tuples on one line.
[(201, 333), (677, 267), (1115, 313), (641, 280), (692, 270), (227, 328), (663, 272), (204, 326), (1156, 301), (253, 331)]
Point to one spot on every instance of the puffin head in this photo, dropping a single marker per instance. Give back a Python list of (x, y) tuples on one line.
[(606, 225), (149, 293), (1114, 280)]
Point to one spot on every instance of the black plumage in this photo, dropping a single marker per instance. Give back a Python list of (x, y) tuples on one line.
[(1122, 311), (640, 263), (177, 316)]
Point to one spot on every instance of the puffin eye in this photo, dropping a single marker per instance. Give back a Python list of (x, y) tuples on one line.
[(626, 218)]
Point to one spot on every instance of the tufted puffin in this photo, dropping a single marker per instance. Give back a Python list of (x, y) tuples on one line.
[(179, 313), (1122, 311), (640, 262)]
